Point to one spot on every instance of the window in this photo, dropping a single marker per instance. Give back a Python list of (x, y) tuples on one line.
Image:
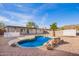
[(22, 30)]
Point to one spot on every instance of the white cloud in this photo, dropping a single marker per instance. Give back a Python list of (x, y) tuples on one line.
[(23, 8), (1, 6), (44, 7), (16, 18), (7, 21), (21, 17), (4, 19), (38, 9), (19, 5), (44, 18)]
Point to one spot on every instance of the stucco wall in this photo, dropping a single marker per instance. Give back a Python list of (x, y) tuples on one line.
[(59, 33), (70, 32)]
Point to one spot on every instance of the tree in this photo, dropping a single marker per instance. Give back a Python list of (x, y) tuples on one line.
[(2, 28), (31, 25), (2, 25), (62, 28), (53, 27)]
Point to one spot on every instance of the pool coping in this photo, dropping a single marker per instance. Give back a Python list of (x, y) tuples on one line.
[(15, 41), (34, 47)]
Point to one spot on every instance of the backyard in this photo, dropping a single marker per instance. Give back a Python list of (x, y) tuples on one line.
[(26, 31), (63, 50)]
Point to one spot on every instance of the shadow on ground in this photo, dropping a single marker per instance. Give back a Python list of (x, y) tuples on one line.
[(64, 43)]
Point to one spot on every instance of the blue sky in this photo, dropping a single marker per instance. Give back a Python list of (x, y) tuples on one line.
[(43, 14)]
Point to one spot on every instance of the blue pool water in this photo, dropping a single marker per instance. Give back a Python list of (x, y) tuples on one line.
[(37, 41)]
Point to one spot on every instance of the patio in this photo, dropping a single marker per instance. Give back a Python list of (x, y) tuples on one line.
[(6, 50)]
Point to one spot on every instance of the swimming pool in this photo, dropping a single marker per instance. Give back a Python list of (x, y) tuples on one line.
[(37, 41)]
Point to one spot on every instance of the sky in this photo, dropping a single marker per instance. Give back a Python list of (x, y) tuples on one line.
[(43, 14)]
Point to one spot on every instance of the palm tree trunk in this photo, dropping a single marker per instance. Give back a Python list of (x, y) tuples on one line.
[(54, 33)]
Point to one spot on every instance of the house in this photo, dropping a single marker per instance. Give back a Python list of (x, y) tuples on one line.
[(24, 30)]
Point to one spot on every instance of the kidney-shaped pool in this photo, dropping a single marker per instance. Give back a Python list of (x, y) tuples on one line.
[(36, 42)]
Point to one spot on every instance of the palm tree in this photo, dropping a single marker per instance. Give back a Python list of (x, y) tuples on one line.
[(53, 27)]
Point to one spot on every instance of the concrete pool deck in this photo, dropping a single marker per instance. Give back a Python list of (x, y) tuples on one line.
[(6, 50), (72, 45)]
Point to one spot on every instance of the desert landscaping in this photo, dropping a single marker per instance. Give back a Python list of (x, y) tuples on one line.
[(70, 48)]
